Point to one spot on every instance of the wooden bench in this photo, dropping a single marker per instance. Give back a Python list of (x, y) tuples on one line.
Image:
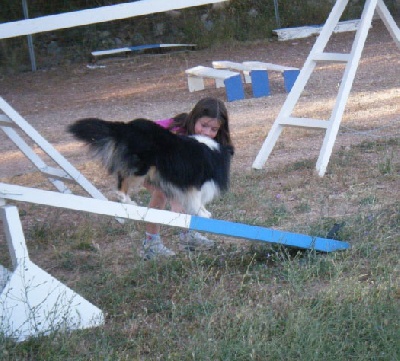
[(232, 81), (289, 73), (258, 78), (256, 73)]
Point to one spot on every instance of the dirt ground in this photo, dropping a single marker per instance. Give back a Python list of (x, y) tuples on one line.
[(154, 86)]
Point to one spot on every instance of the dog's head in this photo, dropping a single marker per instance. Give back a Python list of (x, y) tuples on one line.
[(209, 142), (214, 145)]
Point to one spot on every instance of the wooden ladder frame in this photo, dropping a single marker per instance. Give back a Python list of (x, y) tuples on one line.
[(317, 54), (11, 122)]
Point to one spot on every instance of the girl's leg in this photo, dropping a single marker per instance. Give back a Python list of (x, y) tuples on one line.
[(152, 244), (158, 201), (190, 240)]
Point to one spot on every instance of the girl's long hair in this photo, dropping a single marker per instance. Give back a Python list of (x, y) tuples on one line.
[(206, 107)]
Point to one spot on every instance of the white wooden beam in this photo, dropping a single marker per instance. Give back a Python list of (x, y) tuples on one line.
[(92, 205), (92, 16)]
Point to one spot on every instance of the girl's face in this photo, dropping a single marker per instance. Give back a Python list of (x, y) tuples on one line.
[(207, 126)]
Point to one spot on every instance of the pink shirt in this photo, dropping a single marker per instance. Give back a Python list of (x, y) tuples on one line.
[(166, 123)]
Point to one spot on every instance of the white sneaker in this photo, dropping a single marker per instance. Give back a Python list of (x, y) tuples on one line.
[(154, 248), (194, 241)]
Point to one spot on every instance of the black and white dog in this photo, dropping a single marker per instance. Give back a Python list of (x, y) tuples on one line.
[(190, 170)]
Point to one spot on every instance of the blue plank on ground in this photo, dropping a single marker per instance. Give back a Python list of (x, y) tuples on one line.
[(155, 46), (140, 48), (258, 233)]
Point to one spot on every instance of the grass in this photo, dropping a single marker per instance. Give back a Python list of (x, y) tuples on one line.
[(243, 300)]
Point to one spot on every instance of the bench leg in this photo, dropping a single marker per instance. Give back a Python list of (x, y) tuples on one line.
[(260, 83), (289, 78), (219, 83), (234, 88), (195, 83), (247, 77)]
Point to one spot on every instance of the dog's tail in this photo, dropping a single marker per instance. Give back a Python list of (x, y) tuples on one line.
[(101, 136), (92, 131)]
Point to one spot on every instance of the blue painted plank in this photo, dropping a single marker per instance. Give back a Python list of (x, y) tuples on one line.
[(139, 48), (258, 233), (155, 46)]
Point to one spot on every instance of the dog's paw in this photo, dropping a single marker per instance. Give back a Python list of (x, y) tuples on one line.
[(124, 198), (204, 213)]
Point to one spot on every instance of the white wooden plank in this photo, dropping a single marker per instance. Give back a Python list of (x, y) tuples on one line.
[(207, 72), (306, 31), (259, 65), (225, 64), (92, 205), (92, 16)]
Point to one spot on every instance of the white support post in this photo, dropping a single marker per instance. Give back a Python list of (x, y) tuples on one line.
[(345, 87)]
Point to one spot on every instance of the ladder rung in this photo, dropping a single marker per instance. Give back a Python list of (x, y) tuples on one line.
[(6, 122), (56, 173), (334, 57), (304, 122)]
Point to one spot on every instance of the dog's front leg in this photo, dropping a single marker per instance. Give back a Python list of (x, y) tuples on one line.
[(124, 198)]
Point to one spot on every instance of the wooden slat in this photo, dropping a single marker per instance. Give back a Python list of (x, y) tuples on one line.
[(305, 122), (56, 173), (332, 57)]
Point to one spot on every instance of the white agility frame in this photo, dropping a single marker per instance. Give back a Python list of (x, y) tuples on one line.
[(32, 302), (317, 54)]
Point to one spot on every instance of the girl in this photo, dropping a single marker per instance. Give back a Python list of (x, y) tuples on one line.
[(209, 117)]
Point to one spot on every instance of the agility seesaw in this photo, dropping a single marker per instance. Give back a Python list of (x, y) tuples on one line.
[(144, 214), (33, 303)]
